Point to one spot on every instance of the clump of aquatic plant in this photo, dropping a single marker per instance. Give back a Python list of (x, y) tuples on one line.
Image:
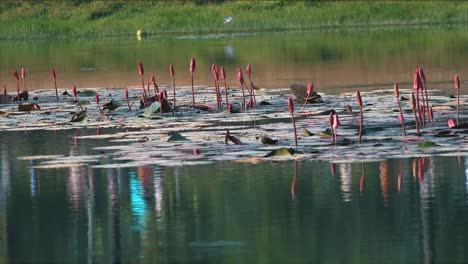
[(171, 72), (413, 107), (359, 102), (54, 78), (252, 89), (310, 90), (456, 84), (396, 93), (76, 97), (141, 72), (291, 110), (192, 70), (240, 78)]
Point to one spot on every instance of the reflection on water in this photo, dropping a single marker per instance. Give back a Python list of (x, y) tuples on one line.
[(337, 61), (399, 210)]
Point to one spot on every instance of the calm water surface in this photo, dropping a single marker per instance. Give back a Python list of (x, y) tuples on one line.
[(392, 211), (337, 61)]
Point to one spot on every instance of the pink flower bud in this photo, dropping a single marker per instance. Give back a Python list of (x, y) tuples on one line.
[(248, 70), (74, 91), (396, 92), (97, 99), (141, 71), (223, 74), (310, 89), (358, 98), (290, 105), (52, 74), (240, 77), (422, 76), (192, 65), (416, 80), (15, 74), (336, 122), (456, 82), (451, 123), (23, 73), (412, 101), (171, 70), (153, 80)]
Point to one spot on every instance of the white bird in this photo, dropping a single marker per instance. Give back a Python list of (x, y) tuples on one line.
[(227, 19)]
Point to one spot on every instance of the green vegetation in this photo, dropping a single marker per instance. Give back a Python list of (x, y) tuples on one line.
[(85, 18)]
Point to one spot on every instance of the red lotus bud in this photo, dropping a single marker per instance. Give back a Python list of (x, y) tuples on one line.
[(310, 89), (74, 91), (396, 93), (451, 123), (15, 74), (52, 74), (195, 151), (229, 107), (97, 99), (456, 82), (192, 65), (358, 98), (422, 76), (141, 71), (431, 113), (248, 70), (126, 92), (23, 73), (153, 80), (290, 105), (223, 74), (214, 70), (416, 80), (412, 101), (330, 119), (240, 77), (165, 93), (336, 122), (171, 70)]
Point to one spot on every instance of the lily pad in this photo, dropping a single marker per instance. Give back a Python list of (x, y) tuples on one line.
[(427, 144), (112, 105), (151, 109), (174, 136), (80, 117), (281, 152), (306, 133)]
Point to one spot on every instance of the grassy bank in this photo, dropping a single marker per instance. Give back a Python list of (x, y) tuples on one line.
[(85, 18)]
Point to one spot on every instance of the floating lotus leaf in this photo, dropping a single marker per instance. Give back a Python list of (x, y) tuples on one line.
[(151, 109), (174, 136), (281, 152), (427, 144), (306, 133), (112, 105), (86, 93), (268, 141), (80, 117)]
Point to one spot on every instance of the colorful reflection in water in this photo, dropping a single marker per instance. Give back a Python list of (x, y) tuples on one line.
[(398, 210)]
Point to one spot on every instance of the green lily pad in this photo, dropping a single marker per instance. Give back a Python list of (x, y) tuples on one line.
[(174, 136), (87, 93), (326, 133), (151, 109), (281, 152), (80, 117), (112, 105), (427, 144), (306, 133)]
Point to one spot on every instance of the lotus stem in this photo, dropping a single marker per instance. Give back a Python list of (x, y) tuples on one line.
[(223, 76), (359, 102), (291, 110), (240, 78), (23, 76), (15, 74), (171, 72), (396, 93), (126, 98), (456, 83), (4, 94), (351, 113), (336, 125), (252, 93), (141, 72), (54, 77), (76, 97), (413, 107), (192, 69), (310, 90), (97, 102)]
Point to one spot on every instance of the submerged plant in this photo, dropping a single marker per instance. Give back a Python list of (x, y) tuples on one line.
[(359, 102), (192, 70), (413, 107), (396, 93), (291, 110), (456, 84), (54, 78)]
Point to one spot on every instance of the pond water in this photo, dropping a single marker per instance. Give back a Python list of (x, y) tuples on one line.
[(410, 210), (337, 61), (391, 211)]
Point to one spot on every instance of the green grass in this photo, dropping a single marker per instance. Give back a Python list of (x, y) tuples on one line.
[(85, 18)]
